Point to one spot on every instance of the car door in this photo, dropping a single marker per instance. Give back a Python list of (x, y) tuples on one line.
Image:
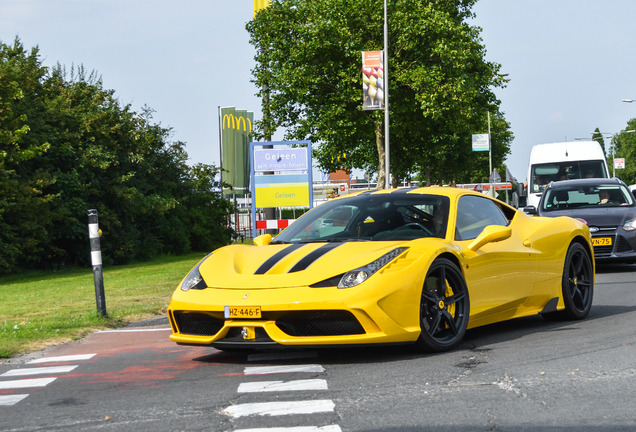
[(499, 274)]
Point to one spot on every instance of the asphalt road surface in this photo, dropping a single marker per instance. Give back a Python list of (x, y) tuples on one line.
[(524, 375)]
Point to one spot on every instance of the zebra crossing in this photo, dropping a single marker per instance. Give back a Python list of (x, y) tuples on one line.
[(17, 382), (282, 408)]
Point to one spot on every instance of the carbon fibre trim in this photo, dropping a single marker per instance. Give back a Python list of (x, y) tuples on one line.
[(313, 256), (403, 190), (271, 261)]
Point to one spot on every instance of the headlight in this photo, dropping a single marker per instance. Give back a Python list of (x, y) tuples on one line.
[(194, 280), (630, 225), (359, 275)]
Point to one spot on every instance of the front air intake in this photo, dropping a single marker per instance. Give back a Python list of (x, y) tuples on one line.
[(197, 323), (319, 323)]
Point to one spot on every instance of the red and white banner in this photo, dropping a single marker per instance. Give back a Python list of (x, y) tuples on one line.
[(273, 223)]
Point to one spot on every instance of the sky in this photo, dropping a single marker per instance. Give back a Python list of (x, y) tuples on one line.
[(569, 62)]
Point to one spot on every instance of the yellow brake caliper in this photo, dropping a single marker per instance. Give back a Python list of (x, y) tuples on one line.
[(450, 307)]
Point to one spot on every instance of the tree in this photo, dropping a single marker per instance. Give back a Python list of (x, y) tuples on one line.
[(625, 147), (309, 66), (598, 137), (25, 213), (67, 145)]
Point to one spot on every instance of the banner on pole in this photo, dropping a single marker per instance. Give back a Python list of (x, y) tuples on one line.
[(372, 80), (236, 130)]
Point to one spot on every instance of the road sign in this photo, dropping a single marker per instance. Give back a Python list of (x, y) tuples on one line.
[(481, 142), (494, 177), (619, 163)]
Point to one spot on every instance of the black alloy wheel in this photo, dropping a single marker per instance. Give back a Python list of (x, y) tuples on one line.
[(444, 307), (577, 282)]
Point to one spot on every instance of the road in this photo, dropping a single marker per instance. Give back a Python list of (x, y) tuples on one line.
[(528, 374)]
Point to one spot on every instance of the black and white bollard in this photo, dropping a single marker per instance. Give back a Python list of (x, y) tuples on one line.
[(96, 261)]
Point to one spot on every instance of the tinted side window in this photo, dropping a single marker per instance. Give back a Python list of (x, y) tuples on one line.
[(474, 214)]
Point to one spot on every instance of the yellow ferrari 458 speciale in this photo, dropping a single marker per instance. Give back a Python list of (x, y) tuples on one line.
[(418, 266)]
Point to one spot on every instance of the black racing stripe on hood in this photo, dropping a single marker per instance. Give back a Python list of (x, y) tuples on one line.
[(313, 256), (271, 261)]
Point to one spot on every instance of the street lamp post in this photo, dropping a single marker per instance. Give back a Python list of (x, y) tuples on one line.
[(492, 187), (387, 170)]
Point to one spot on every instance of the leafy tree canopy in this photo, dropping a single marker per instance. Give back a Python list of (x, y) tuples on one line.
[(309, 74), (624, 146), (67, 145)]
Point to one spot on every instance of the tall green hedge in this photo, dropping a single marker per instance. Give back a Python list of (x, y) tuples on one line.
[(68, 145)]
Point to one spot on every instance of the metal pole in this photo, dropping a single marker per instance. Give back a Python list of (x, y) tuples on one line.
[(492, 192), (96, 261), (220, 150), (387, 170), (269, 212)]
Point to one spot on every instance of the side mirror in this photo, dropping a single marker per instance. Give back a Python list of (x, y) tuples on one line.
[(490, 234), (263, 240), (531, 210), (521, 191)]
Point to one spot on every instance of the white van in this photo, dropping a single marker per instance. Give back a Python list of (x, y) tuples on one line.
[(563, 161)]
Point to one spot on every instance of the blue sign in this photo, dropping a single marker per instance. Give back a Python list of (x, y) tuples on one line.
[(287, 159), (279, 189)]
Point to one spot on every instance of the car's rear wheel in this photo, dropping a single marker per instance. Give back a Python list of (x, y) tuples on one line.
[(577, 282), (444, 307)]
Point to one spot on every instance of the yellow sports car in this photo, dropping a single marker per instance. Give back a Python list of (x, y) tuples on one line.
[(418, 266)]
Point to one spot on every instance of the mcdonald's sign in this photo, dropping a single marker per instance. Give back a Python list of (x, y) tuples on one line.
[(232, 121), (236, 131)]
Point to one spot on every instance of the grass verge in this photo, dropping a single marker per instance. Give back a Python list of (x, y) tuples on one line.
[(39, 309)]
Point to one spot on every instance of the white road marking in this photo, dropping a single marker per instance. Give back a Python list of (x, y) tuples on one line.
[(329, 428), (6, 400), (265, 370), (62, 358), (36, 382), (25, 383), (50, 370), (134, 330), (274, 386), (280, 408)]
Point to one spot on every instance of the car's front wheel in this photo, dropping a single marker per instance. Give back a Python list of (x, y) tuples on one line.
[(444, 307)]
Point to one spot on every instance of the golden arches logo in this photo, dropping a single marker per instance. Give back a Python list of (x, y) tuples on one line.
[(234, 122)]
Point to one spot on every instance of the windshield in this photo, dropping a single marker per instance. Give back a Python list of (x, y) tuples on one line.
[(371, 217), (543, 174), (603, 195)]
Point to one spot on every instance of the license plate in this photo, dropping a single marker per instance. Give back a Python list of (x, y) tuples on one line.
[(602, 241), (242, 312)]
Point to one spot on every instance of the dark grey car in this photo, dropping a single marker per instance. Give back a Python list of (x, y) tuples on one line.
[(606, 205)]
